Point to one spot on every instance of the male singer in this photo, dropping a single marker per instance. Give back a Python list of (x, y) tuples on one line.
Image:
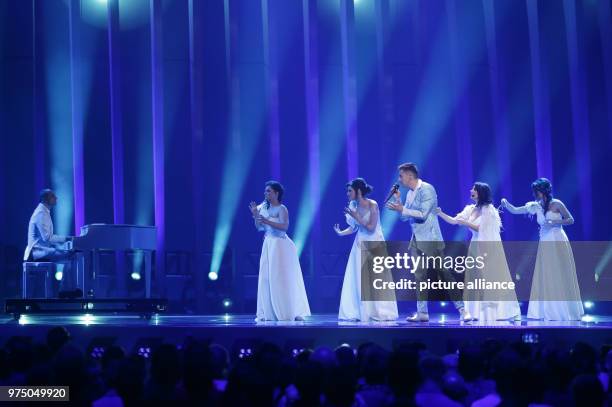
[(419, 211)]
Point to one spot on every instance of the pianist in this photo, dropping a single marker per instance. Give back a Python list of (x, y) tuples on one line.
[(43, 244)]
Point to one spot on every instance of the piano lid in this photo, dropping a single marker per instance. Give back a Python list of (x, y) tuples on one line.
[(101, 236)]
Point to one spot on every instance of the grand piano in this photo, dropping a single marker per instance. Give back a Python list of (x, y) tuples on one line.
[(109, 237)]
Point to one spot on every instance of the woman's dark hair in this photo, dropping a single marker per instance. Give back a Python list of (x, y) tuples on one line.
[(360, 184), (278, 187), (484, 194), (544, 186)]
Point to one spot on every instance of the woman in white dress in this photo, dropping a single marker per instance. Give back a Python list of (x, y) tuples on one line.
[(555, 293), (483, 221), (281, 295), (363, 218)]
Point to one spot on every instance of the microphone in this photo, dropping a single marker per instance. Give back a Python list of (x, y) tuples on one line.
[(393, 191)]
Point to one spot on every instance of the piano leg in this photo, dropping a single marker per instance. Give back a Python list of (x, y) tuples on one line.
[(95, 270), (147, 259), (79, 267)]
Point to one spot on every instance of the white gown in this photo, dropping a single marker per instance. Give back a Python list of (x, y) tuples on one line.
[(281, 295), (554, 276), (488, 306), (351, 306)]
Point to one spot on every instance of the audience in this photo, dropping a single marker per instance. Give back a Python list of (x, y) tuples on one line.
[(491, 373)]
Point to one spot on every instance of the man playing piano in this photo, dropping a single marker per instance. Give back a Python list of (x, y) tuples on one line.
[(43, 244)]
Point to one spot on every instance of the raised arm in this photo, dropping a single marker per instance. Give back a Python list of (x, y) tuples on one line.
[(445, 217), (255, 213), (516, 210), (460, 219), (349, 214), (344, 232)]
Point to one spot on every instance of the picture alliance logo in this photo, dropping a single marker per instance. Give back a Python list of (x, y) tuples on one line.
[(411, 263)]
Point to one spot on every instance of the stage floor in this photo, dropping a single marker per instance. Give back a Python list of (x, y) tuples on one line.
[(316, 321), (443, 333)]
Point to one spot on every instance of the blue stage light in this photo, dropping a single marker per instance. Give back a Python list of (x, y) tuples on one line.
[(213, 275), (588, 304), (587, 318), (87, 319)]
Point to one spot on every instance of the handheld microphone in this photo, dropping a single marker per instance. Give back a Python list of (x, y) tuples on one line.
[(392, 192)]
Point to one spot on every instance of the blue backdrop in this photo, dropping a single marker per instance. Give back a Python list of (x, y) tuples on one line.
[(175, 113)]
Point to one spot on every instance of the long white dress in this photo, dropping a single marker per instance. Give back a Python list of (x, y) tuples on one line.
[(281, 295), (488, 305), (555, 293), (351, 306)]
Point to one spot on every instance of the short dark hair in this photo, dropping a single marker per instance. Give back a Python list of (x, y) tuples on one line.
[(409, 167), (45, 194)]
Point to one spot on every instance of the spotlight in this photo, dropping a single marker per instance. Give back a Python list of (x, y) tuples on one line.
[(443, 303), (587, 318), (589, 304), (213, 276), (24, 320), (87, 319), (227, 303), (135, 276), (59, 275)]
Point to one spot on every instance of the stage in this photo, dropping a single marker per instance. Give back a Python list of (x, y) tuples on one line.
[(444, 332)]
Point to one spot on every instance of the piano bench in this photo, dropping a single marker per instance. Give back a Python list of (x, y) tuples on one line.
[(36, 270)]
